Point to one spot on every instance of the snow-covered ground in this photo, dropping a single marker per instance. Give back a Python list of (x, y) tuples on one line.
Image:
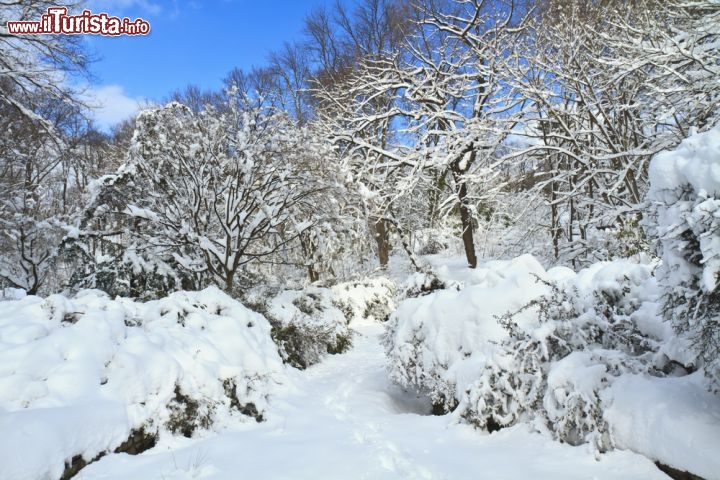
[(77, 375), (343, 419)]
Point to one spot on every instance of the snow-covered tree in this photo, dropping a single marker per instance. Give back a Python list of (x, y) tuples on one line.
[(36, 112), (674, 45), (423, 123), (609, 84), (203, 194), (29, 160), (344, 42), (33, 68)]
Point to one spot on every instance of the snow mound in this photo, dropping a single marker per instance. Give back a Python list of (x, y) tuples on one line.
[(694, 162), (582, 357), (521, 344), (673, 420), (78, 375)]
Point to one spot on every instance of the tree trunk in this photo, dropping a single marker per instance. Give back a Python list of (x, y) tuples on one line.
[(467, 234), (229, 281), (381, 237), (309, 248), (459, 168), (436, 189), (554, 222), (313, 274)]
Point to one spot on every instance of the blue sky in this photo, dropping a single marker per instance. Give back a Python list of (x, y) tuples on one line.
[(191, 42)]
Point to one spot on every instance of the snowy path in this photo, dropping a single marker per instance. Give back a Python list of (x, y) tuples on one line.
[(342, 419)]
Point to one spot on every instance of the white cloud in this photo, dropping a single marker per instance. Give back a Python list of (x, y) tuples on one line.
[(109, 105)]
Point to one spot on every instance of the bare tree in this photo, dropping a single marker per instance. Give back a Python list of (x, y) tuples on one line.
[(197, 99), (437, 105), (23, 81)]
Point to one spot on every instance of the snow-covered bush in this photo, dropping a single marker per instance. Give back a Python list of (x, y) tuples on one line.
[(684, 202), (432, 241), (421, 283), (83, 376), (528, 345), (585, 337), (370, 299), (440, 343), (306, 324)]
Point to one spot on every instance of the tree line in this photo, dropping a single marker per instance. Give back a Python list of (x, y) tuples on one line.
[(511, 125)]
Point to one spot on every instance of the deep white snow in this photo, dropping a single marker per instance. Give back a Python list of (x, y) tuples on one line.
[(675, 419), (343, 419)]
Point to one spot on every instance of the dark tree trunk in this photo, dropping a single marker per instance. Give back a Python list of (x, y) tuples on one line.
[(381, 237), (465, 215), (555, 222), (467, 234), (229, 281), (313, 274)]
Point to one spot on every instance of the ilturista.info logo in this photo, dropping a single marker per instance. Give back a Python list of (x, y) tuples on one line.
[(57, 22)]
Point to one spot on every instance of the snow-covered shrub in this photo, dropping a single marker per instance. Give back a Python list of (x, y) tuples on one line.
[(684, 202), (371, 299), (529, 345), (431, 241), (83, 376), (186, 415), (421, 283), (120, 272), (306, 325), (585, 337), (441, 342)]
